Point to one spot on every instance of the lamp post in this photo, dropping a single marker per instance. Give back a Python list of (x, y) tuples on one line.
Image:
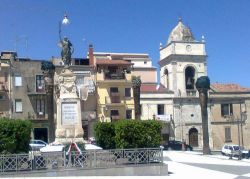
[(65, 21), (65, 44)]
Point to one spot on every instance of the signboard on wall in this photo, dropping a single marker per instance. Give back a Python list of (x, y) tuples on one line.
[(165, 118), (69, 113)]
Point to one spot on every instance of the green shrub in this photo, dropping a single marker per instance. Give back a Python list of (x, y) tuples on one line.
[(105, 135), (128, 134), (137, 134), (14, 135)]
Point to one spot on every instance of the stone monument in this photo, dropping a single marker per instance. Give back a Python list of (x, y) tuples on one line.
[(69, 123)]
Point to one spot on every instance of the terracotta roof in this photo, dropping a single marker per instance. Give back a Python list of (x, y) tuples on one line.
[(218, 87), (112, 62), (152, 88)]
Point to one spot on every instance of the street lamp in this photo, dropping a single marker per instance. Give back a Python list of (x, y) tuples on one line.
[(65, 21), (65, 44)]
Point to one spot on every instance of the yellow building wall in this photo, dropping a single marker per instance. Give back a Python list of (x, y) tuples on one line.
[(104, 108)]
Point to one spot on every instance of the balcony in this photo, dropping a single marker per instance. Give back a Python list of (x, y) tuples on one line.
[(39, 90), (113, 77), (37, 116), (190, 92), (112, 99)]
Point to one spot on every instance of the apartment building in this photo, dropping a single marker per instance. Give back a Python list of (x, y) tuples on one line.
[(25, 94), (114, 90)]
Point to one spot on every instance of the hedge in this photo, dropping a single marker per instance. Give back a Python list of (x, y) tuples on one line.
[(105, 135), (128, 134), (14, 135)]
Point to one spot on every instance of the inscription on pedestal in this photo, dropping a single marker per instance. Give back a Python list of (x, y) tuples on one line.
[(69, 113)]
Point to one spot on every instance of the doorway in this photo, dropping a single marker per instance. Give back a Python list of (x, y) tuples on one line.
[(41, 134), (193, 137)]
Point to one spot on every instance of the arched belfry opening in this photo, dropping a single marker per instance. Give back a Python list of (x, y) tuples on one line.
[(190, 78), (193, 137), (166, 77)]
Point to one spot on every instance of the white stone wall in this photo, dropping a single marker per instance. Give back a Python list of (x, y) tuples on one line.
[(140, 63), (149, 102), (180, 48), (180, 59)]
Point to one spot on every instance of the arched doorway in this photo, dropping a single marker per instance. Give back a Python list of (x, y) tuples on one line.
[(193, 137)]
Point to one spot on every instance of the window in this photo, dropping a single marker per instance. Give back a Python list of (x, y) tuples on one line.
[(226, 109), (113, 90), (129, 114), (40, 107), (2, 97), (81, 62), (39, 83), (18, 81), (114, 114), (145, 62), (127, 92), (160, 109), (228, 134), (18, 105)]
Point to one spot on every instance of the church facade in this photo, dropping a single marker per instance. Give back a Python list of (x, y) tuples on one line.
[(182, 61)]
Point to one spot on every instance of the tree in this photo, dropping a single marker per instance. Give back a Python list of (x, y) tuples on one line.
[(203, 85), (136, 83)]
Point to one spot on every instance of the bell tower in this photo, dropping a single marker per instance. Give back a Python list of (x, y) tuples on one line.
[(182, 61)]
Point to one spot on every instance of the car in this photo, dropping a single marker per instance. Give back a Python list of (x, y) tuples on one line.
[(36, 145), (234, 151), (177, 145), (52, 148), (92, 147)]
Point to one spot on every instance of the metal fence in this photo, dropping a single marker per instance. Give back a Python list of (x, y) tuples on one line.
[(85, 160)]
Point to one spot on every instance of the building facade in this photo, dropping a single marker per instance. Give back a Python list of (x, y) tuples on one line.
[(142, 64), (114, 90), (109, 96), (27, 98), (5, 85)]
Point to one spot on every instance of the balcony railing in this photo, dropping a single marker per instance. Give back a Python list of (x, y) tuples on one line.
[(40, 88), (31, 90), (113, 99), (114, 76)]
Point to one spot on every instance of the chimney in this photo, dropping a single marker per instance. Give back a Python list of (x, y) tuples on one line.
[(91, 55)]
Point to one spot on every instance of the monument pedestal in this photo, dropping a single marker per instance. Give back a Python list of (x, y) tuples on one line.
[(69, 124)]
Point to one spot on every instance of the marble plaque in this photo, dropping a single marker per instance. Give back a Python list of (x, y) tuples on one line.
[(69, 113)]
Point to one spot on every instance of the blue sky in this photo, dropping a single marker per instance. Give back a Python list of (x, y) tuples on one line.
[(131, 26)]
